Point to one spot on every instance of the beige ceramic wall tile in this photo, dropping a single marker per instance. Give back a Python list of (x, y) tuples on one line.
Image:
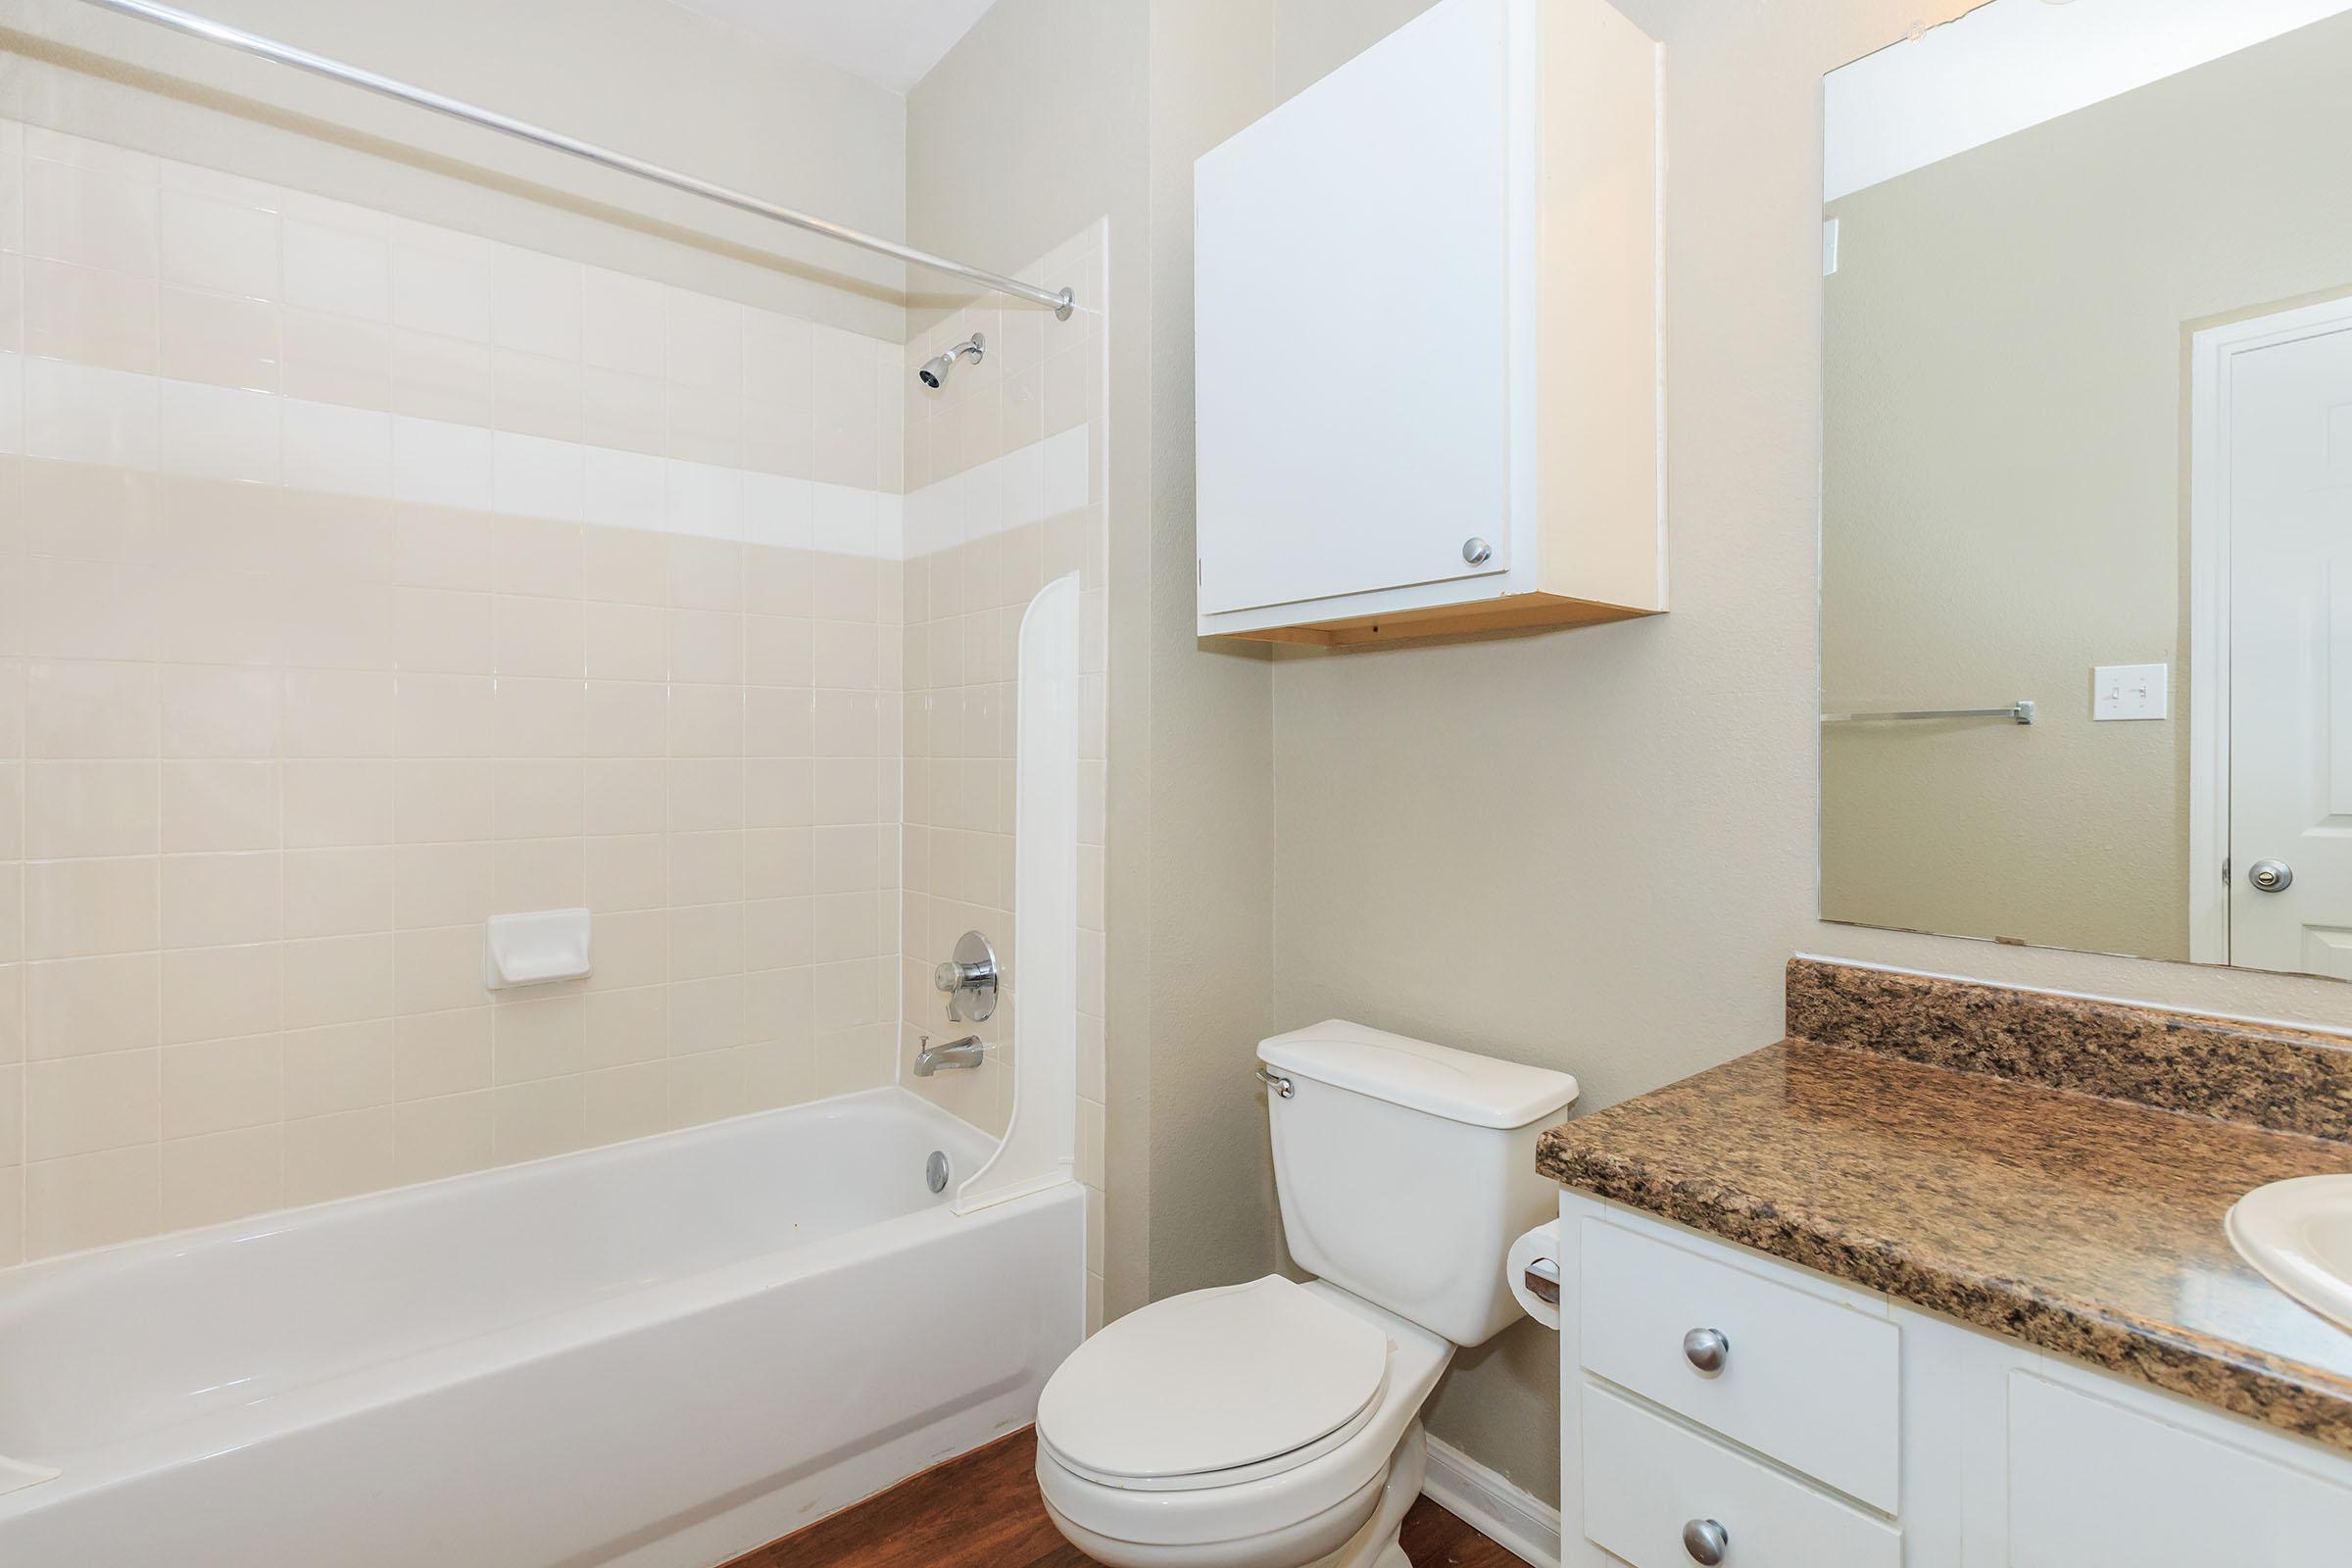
[(357, 596), (337, 1156), (445, 1136), (223, 1175), (12, 1214), (90, 1199)]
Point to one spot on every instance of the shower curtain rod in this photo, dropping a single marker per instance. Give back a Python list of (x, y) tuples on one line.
[(250, 43)]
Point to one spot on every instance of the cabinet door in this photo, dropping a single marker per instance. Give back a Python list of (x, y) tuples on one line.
[(2090, 1482), (1351, 300)]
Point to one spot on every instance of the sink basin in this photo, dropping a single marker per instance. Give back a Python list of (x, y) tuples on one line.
[(2298, 1234)]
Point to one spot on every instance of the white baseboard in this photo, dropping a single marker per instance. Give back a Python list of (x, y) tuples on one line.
[(1527, 1526)]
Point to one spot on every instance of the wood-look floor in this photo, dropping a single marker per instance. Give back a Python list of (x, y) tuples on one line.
[(982, 1510)]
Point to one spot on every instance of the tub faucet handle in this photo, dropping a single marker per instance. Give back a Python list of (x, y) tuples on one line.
[(970, 979)]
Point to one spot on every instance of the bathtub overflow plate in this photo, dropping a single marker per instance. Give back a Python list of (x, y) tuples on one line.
[(935, 1171)]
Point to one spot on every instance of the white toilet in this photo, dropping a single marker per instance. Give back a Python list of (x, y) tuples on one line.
[(1277, 1425)]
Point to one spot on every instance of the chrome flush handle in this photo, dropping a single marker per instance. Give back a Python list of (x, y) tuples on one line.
[(1283, 1088), (970, 979)]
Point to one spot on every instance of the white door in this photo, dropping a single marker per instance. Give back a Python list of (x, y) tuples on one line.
[(1351, 347), (2287, 413)]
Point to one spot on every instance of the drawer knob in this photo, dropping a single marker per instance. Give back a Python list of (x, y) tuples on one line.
[(1706, 1350), (1706, 1542)]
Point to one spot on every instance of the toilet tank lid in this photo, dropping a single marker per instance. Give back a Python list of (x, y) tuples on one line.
[(1458, 1085)]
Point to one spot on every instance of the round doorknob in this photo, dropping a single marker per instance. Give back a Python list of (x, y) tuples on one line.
[(2271, 876), (1706, 1350), (1477, 552), (1706, 1542)]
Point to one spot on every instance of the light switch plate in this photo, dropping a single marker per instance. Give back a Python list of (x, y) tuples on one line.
[(2131, 691)]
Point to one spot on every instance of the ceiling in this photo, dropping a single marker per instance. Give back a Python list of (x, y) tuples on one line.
[(892, 42)]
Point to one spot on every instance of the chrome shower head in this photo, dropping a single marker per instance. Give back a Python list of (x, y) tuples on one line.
[(934, 374)]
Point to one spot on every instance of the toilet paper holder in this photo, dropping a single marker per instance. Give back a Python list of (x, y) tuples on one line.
[(1544, 1279)]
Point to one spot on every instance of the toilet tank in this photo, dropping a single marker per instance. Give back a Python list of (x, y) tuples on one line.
[(1406, 1169)]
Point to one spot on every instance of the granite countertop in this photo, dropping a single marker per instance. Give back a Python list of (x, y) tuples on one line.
[(2083, 1225)]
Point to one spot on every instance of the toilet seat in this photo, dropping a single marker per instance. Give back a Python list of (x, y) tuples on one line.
[(1294, 1507), (1214, 1387)]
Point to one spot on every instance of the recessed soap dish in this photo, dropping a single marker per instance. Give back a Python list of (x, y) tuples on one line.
[(534, 948)]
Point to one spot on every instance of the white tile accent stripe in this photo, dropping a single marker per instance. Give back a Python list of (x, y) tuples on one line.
[(1044, 479), (88, 414)]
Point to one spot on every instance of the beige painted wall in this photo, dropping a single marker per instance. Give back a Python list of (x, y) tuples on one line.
[(1595, 849), (2003, 480), (645, 77), (1210, 758)]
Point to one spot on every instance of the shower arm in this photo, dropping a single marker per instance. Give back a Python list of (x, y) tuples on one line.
[(1061, 303)]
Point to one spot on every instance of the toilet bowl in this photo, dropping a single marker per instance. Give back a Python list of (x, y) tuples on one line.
[(1268, 1425), (1275, 1424)]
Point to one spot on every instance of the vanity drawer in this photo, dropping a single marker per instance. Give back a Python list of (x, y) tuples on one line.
[(1646, 1478), (1806, 1380)]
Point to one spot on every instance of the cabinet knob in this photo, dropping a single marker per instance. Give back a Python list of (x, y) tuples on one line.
[(1706, 1542), (1706, 1350), (1477, 552)]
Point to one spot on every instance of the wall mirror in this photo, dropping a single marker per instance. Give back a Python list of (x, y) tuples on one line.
[(2087, 518)]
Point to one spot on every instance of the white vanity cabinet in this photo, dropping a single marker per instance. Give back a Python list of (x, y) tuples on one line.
[(1839, 1429), (1427, 337)]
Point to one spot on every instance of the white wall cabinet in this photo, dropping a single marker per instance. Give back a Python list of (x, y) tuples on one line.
[(1427, 337), (1845, 1430)]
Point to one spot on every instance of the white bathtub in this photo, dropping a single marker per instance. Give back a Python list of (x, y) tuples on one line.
[(665, 1353)]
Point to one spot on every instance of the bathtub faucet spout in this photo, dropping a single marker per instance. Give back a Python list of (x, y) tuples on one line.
[(965, 1052)]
